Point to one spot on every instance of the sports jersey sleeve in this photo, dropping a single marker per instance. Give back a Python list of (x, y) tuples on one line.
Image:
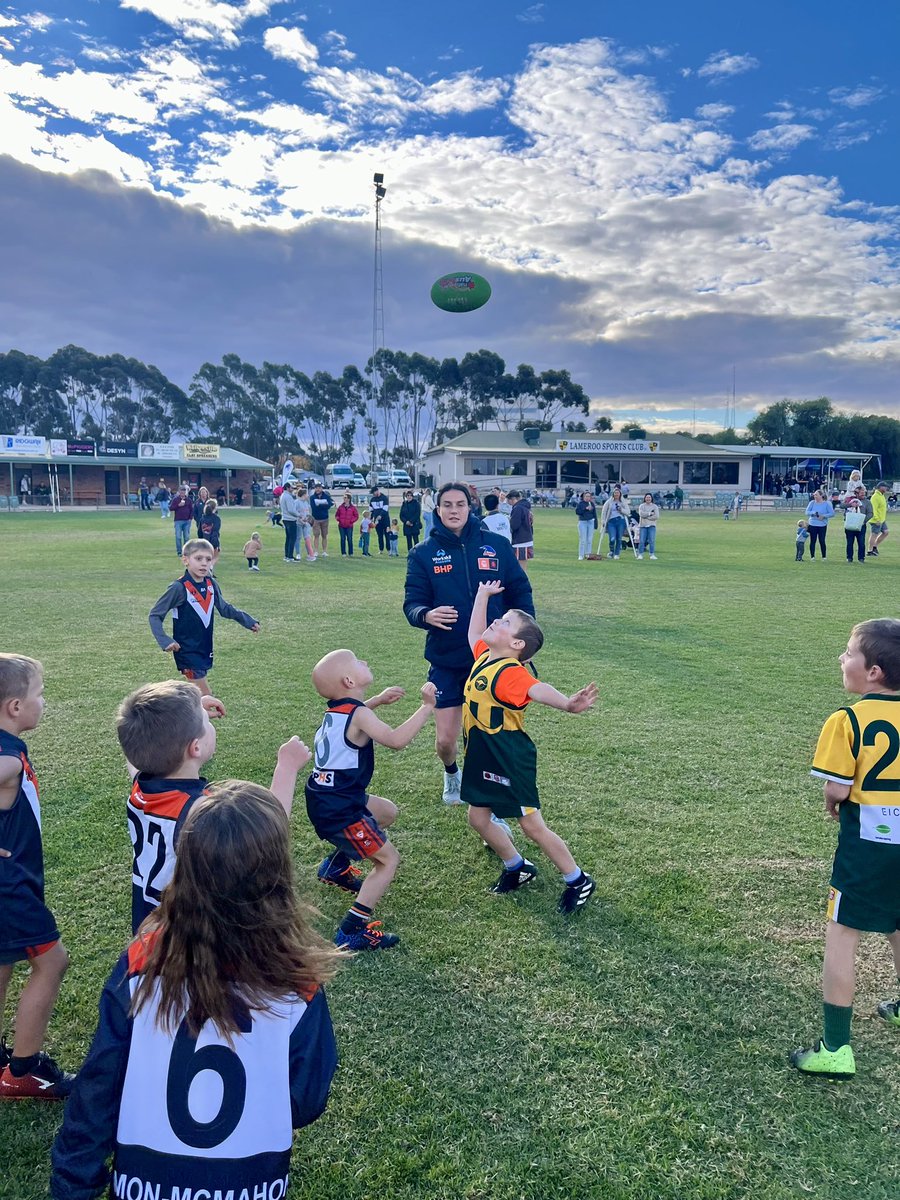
[(87, 1137), (513, 685), (837, 748), (172, 597), (478, 649), (313, 1062), (232, 613)]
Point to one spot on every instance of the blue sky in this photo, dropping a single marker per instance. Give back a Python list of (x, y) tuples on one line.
[(659, 193)]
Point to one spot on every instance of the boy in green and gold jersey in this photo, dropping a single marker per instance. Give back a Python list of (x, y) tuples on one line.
[(858, 756), (500, 770)]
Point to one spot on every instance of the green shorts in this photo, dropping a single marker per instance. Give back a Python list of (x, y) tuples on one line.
[(863, 913)]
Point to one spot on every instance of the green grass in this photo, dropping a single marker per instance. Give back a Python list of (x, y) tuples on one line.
[(636, 1050)]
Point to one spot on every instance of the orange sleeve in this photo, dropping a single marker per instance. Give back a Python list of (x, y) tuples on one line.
[(479, 648), (513, 685)]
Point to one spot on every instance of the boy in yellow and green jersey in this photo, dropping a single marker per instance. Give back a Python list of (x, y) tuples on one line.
[(878, 529), (858, 757), (500, 770)]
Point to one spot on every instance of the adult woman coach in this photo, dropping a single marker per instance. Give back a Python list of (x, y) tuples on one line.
[(819, 511), (442, 577)]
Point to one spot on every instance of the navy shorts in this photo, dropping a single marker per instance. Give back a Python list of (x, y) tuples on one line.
[(449, 683), (193, 673), (361, 839)]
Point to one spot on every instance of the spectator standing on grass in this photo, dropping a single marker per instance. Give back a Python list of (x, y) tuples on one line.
[(442, 578), (586, 512), (144, 494), (857, 514), (521, 524), (163, 496), (289, 521), (304, 524), (878, 529), (648, 515), (320, 502), (381, 518), (427, 510), (496, 521), (199, 505), (801, 537), (819, 512), (183, 515), (613, 519), (347, 515), (411, 520)]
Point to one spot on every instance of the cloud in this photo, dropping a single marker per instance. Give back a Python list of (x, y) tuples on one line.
[(293, 45), (847, 133), (204, 20), (714, 112), (722, 64), (857, 97), (781, 137), (337, 44), (533, 15)]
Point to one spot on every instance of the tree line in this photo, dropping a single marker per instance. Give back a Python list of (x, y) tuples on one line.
[(392, 410), (817, 423)]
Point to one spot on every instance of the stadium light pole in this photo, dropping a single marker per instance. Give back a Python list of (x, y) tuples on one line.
[(377, 322)]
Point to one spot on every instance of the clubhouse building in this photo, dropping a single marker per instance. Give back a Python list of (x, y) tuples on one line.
[(554, 460)]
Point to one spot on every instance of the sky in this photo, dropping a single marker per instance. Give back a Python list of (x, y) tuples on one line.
[(683, 204)]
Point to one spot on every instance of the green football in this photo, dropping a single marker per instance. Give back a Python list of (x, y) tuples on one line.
[(461, 291)]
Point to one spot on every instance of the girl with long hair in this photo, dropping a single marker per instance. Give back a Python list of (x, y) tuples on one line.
[(214, 1040)]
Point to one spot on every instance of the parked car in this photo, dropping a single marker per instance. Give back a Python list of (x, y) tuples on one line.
[(358, 481), (381, 478), (339, 475), (400, 479)]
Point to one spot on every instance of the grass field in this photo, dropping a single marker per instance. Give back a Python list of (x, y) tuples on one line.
[(637, 1050)]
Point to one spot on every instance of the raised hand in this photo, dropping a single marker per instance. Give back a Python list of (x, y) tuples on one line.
[(584, 699)]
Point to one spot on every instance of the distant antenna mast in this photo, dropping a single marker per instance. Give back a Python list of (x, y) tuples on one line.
[(733, 423), (377, 321)]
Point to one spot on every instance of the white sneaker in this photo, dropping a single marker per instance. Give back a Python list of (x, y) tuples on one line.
[(615, 558), (581, 558), (288, 560), (653, 556), (312, 558), (451, 788), (640, 556), (324, 554), (254, 568)]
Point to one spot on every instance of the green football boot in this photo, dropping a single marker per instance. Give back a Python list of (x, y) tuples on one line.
[(833, 1064), (889, 1010)]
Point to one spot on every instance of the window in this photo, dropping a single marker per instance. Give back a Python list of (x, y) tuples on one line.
[(696, 472), (605, 470), (512, 466), (663, 471), (480, 466), (545, 473), (635, 470), (725, 473), (573, 470)]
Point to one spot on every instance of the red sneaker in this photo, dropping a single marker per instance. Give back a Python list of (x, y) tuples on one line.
[(46, 1081)]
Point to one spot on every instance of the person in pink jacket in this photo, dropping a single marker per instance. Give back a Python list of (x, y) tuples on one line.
[(347, 516)]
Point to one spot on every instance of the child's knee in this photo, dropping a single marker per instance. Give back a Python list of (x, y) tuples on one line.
[(478, 817), (53, 964), (388, 857)]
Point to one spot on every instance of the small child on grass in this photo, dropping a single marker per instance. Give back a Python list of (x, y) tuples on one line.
[(802, 538), (214, 1041), (365, 527), (28, 931), (857, 756), (393, 539), (340, 808), (252, 549), (193, 600), (500, 769), (165, 732)]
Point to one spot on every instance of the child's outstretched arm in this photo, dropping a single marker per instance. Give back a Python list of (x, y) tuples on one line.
[(835, 794), (171, 598), (390, 695), (581, 701), (365, 721), (292, 757), (478, 619)]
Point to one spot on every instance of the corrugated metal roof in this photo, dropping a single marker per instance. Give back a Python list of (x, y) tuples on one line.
[(228, 460)]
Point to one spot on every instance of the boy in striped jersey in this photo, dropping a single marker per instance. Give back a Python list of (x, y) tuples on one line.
[(858, 757)]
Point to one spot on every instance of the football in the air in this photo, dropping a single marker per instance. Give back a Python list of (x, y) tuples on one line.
[(461, 291)]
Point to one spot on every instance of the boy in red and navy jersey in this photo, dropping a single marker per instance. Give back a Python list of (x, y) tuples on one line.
[(340, 808), (165, 732), (193, 600), (28, 931)]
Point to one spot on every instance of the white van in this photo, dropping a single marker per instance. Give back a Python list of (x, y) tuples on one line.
[(339, 475)]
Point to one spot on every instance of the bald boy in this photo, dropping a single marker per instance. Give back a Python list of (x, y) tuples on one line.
[(340, 807)]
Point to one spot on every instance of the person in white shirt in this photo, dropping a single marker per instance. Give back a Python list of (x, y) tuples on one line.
[(493, 519)]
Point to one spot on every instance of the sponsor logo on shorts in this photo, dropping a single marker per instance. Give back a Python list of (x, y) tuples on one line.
[(492, 778), (324, 778)]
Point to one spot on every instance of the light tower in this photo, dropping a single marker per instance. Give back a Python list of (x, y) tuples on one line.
[(377, 321)]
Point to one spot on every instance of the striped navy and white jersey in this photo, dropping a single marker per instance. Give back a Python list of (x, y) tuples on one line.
[(338, 783), (157, 809), (24, 918), (185, 1116)]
